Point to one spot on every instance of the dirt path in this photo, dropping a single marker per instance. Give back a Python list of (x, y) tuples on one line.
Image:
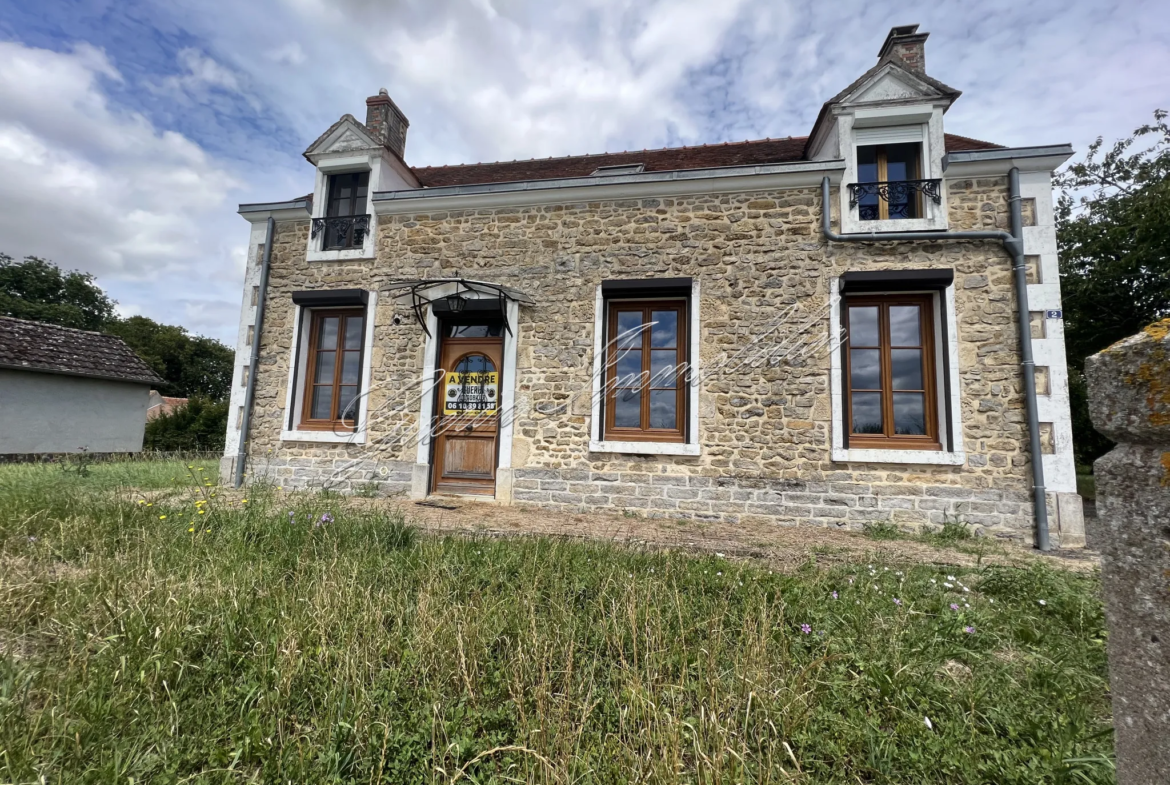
[(787, 547)]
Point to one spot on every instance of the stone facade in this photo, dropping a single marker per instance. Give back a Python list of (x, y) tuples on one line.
[(764, 427)]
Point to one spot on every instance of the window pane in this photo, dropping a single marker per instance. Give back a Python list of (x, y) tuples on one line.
[(663, 406), (353, 332), (325, 365), (347, 394), (473, 330), (904, 325), (327, 337), (350, 367), (863, 326), (475, 363), (907, 368), (664, 333), (322, 406), (867, 412), (902, 161), (867, 166), (865, 369), (663, 368), (628, 321), (627, 411), (629, 368), (909, 414)]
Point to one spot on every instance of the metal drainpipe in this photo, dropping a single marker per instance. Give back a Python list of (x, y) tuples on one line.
[(1014, 244), (254, 363)]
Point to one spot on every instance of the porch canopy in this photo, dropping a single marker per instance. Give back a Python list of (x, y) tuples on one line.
[(457, 297)]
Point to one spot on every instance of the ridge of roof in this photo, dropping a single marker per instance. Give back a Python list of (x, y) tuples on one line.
[(51, 348)]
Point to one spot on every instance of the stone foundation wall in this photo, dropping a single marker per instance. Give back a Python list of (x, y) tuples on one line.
[(764, 428)]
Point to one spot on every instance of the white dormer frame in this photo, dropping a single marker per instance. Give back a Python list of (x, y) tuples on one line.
[(349, 147), (888, 106)]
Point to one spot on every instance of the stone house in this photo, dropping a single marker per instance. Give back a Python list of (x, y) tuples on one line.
[(64, 390), (675, 332)]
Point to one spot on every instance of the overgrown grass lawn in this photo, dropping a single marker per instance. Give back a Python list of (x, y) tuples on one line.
[(167, 638)]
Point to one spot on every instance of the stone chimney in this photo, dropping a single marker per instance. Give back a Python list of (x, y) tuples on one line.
[(387, 122), (908, 44)]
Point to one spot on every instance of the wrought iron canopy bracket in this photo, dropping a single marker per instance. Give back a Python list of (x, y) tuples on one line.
[(417, 291), (896, 191)]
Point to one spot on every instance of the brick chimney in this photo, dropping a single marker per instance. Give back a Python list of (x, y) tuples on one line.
[(908, 44), (387, 122)]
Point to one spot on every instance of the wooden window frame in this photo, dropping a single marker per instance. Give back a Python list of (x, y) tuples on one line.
[(883, 176), (890, 440), (645, 433), (315, 317)]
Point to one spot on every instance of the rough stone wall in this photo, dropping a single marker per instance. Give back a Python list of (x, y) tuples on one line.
[(1129, 401), (763, 428)]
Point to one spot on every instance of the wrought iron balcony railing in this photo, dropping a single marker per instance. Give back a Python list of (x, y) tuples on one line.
[(902, 197), (341, 231)]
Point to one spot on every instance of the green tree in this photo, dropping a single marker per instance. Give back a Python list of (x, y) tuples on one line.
[(1113, 234), (39, 290), (192, 365), (200, 425)]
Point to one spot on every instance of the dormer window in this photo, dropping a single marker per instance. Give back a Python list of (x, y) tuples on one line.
[(892, 170), (346, 222)]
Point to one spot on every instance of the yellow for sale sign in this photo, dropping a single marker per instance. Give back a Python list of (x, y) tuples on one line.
[(471, 393)]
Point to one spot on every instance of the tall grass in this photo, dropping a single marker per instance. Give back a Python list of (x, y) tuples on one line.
[(144, 641)]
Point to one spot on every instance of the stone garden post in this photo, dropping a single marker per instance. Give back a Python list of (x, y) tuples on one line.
[(1129, 399)]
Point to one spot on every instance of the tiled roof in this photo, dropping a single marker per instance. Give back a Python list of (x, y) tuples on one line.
[(36, 346), (763, 151)]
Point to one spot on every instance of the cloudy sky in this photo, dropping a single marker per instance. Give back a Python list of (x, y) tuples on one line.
[(131, 129)]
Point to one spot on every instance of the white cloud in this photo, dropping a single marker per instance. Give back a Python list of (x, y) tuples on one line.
[(103, 190)]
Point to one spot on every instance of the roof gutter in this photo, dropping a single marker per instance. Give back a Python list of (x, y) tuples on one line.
[(254, 363), (1013, 243)]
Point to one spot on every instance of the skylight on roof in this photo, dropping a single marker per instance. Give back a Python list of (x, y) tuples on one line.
[(618, 169)]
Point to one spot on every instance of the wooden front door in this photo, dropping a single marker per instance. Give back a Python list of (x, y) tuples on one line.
[(468, 415)]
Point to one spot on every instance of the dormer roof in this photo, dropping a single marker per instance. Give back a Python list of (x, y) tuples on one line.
[(345, 136)]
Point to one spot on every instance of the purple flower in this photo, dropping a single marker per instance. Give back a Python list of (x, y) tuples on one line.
[(897, 601), (954, 607), (805, 629), (834, 595), (969, 630), (326, 518)]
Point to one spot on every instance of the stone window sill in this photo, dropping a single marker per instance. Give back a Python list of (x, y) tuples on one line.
[(645, 448), (323, 437), (353, 254), (919, 457)]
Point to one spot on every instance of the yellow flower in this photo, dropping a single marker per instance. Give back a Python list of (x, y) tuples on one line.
[(201, 512), (190, 467), (209, 531), (191, 529), (151, 504), (162, 517), (243, 501), (142, 501)]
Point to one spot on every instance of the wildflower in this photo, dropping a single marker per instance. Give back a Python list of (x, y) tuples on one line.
[(243, 501), (31, 538), (805, 629), (949, 585), (969, 630), (928, 724), (850, 581), (191, 529), (209, 531), (1043, 602), (162, 517), (820, 632), (718, 574), (991, 601), (932, 580), (950, 577), (966, 589), (142, 501), (954, 606), (834, 595), (201, 512), (897, 601), (966, 605)]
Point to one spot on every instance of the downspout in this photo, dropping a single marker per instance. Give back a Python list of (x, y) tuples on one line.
[(254, 363), (1014, 244)]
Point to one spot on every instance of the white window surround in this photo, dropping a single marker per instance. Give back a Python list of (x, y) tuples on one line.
[(342, 165), (891, 125), (294, 398), (955, 455), (691, 447)]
